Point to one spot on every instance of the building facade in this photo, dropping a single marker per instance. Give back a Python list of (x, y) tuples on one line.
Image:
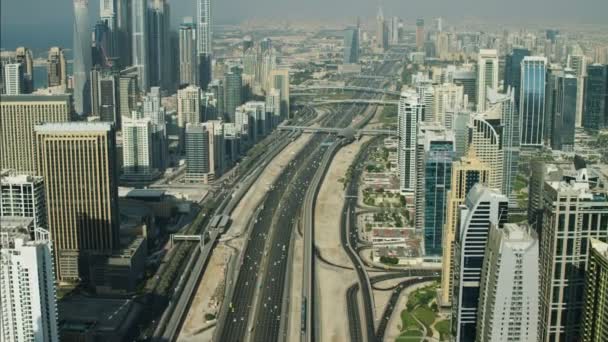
[(487, 76), (82, 58), (23, 196), (78, 163), (595, 321), (532, 101), (410, 112)]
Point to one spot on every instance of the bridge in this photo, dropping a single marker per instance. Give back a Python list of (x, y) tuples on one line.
[(355, 101), (348, 88), (330, 130)]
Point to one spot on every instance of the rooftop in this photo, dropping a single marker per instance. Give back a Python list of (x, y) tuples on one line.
[(74, 127), (35, 98)]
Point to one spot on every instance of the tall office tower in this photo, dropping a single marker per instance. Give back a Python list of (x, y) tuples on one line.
[(394, 36), (442, 45), (596, 294), (468, 80), (466, 172), (482, 208), (486, 141), (18, 115), (137, 149), (153, 110), (572, 216), (107, 16), (273, 106), (188, 110), (123, 32), (82, 58), (279, 79), (554, 72), (108, 95), (57, 68), (532, 100), (187, 54), (596, 97), (409, 115), (102, 45), (139, 42), (82, 203), (578, 63), (508, 295), (233, 92), (216, 87), (458, 122), (503, 106), (513, 70), (420, 38), (564, 112), (94, 77), (128, 91), (447, 97), (159, 49), (439, 24), (204, 38), (29, 305), (436, 165), (13, 79), (267, 64), (23, 196), (351, 46), (24, 57), (204, 151), (380, 30), (487, 76), (232, 141), (259, 122)]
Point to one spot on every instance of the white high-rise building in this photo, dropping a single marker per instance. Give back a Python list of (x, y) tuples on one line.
[(188, 105), (13, 80), (137, 148), (204, 151), (487, 75), (483, 207), (273, 106), (23, 196), (448, 97), (508, 299), (484, 138), (578, 63), (409, 115), (204, 31), (27, 287)]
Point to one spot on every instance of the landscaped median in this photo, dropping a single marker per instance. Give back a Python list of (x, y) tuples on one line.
[(422, 315)]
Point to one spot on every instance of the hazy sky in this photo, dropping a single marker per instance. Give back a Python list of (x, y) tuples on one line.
[(37, 21)]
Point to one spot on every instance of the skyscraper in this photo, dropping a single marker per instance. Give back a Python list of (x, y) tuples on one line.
[(564, 112), (381, 31), (18, 116), (204, 151), (482, 208), (596, 97), (438, 152), (82, 58), (159, 50), (23, 196), (128, 90), (27, 286), (573, 214), (578, 64), (513, 70), (108, 96), (57, 68), (532, 100), (508, 297), (596, 293), (466, 172), (204, 37), (137, 149), (13, 79), (409, 115), (187, 54), (351, 45), (153, 110), (233, 92), (77, 161), (279, 79), (139, 41), (273, 106), (487, 76), (24, 57), (107, 16), (420, 38), (485, 139)]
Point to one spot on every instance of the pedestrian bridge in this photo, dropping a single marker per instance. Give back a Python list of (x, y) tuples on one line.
[(346, 88), (332, 130)]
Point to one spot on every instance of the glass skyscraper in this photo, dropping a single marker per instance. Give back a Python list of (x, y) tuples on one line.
[(532, 100), (596, 97), (82, 57), (564, 113), (437, 180), (513, 70), (351, 46)]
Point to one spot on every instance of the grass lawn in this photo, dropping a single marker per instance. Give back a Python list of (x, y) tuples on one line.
[(422, 297), (410, 335), (408, 322), (424, 315), (444, 329)]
